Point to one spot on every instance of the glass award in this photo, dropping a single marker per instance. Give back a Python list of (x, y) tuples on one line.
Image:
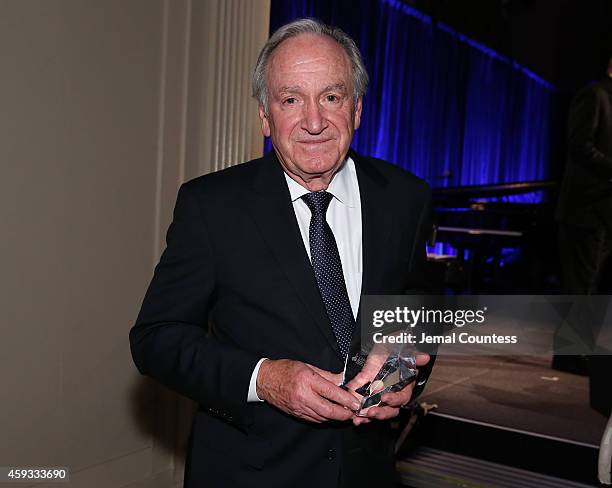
[(374, 370)]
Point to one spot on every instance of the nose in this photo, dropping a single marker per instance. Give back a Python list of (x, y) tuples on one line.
[(314, 121)]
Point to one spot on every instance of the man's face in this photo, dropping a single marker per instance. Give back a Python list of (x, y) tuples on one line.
[(311, 115)]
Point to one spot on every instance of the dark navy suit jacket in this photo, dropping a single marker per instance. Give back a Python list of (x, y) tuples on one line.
[(234, 285)]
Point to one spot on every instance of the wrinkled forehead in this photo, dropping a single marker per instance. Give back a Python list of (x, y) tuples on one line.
[(309, 55)]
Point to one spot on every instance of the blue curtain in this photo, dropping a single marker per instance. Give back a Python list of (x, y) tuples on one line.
[(448, 109)]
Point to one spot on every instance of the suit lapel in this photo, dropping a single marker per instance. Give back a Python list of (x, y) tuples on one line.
[(376, 222), (272, 210)]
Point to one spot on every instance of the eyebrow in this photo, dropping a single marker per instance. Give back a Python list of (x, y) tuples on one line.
[(336, 86), (290, 89), (297, 89)]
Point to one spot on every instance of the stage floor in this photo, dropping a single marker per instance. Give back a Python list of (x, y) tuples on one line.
[(522, 393)]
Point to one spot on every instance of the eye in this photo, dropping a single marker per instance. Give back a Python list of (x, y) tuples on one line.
[(332, 98), (289, 101)]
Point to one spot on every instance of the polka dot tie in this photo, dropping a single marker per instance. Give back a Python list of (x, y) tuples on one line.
[(328, 270)]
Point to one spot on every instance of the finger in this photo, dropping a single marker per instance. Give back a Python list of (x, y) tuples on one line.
[(399, 398), (308, 409), (308, 418), (338, 395), (375, 361), (357, 396), (329, 410), (382, 412), (325, 398), (422, 358), (304, 408), (360, 420), (370, 369), (365, 376), (305, 412), (358, 381), (311, 416)]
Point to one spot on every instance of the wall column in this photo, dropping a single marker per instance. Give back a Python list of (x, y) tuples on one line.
[(208, 121)]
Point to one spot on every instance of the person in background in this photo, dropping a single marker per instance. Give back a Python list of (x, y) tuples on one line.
[(585, 221)]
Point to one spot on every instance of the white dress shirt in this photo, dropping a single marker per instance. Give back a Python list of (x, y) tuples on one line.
[(344, 219)]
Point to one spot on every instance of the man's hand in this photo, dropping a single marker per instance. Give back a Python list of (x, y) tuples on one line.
[(304, 391), (375, 360), (390, 402)]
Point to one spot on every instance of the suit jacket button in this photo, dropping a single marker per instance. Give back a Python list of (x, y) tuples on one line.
[(331, 454)]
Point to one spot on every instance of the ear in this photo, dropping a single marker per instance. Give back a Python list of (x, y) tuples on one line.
[(265, 125), (357, 116)]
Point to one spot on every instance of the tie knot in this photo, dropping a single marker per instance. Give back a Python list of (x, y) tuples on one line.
[(317, 201)]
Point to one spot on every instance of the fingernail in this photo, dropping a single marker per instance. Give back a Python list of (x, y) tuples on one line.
[(356, 406)]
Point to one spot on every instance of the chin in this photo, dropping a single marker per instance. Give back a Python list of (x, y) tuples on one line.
[(317, 165)]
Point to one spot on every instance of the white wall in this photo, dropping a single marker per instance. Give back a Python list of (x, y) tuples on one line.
[(106, 106)]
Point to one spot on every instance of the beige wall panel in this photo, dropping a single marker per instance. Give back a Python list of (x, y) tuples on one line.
[(108, 105), (223, 54), (78, 140)]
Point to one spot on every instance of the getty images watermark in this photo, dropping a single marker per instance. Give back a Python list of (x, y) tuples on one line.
[(453, 319), (490, 324)]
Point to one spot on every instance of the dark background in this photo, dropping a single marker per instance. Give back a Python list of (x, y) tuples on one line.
[(566, 42)]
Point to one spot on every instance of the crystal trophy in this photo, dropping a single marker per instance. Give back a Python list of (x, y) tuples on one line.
[(383, 368)]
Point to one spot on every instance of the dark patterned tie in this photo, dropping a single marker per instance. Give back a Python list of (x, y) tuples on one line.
[(328, 270)]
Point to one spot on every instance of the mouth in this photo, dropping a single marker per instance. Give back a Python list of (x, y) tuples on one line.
[(315, 141)]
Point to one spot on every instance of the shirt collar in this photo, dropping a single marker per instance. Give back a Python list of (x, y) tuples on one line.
[(340, 187)]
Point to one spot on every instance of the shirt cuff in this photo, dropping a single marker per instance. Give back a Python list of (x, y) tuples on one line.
[(252, 396)]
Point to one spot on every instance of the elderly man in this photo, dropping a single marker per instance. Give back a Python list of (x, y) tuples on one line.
[(276, 253)]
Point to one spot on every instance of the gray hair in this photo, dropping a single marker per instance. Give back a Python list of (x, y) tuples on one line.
[(308, 26)]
